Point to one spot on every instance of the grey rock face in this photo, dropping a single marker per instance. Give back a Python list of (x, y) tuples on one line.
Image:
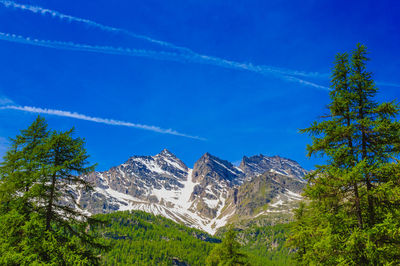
[(259, 164), (212, 169), (203, 197), (214, 178), (140, 175), (264, 189)]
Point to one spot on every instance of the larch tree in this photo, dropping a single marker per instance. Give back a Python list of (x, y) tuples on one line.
[(353, 214), (228, 252), (18, 180), (39, 221)]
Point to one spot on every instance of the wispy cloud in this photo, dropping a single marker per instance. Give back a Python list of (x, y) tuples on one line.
[(55, 14), (181, 54), (159, 55), (93, 48), (106, 121)]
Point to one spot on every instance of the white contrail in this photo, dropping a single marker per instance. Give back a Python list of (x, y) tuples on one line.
[(159, 55), (185, 50), (56, 14), (91, 48), (112, 122)]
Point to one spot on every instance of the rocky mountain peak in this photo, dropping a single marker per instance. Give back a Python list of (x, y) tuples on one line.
[(214, 168), (206, 197), (168, 161), (214, 179), (167, 153), (206, 157), (259, 164)]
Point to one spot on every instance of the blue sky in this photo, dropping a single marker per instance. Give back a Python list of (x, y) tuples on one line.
[(231, 78)]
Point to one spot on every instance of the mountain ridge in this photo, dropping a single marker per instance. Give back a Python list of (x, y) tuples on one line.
[(206, 197)]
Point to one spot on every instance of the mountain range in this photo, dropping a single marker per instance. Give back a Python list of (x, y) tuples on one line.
[(208, 196)]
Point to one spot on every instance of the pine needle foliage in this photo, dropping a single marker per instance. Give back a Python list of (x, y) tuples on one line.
[(39, 223), (227, 253), (353, 215)]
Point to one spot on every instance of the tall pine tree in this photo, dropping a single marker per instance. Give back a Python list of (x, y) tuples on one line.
[(18, 180), (38, 219), (353, 215)]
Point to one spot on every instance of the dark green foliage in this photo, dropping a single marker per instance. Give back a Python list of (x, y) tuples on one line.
[(266, 245), (139, 238), (354, 211), (228, 252), (37, 225)]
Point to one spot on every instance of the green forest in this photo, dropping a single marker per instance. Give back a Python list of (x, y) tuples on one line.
[(350, 214), (139, 238)]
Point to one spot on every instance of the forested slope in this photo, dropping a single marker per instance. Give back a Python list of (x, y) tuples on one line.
[(140, 238)]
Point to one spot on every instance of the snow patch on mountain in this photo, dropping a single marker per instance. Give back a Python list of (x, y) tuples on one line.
[(164, 185), (187, 190), (291, 194), (150, 164), (224, 166)]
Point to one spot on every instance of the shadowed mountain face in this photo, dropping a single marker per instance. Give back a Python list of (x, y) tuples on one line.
[(208, 196), (260, 164), (210, 168)]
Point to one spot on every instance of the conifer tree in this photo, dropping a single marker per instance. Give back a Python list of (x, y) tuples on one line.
[(17, 177), (354, 212), (228, 252), (38, 219), (20, 166)]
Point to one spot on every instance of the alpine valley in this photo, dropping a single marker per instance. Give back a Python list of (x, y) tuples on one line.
[(214, 193)]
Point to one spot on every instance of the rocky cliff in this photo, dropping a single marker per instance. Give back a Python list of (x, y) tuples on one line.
[(208, 196)]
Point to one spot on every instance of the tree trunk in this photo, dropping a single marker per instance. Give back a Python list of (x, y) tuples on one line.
[(371, 211), (355, 185), (49, 214), (50, 205)]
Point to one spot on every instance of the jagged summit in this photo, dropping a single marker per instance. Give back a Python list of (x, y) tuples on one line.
[(209, 166), (208, 157), (259, 164), (166, 152), (206, 197), (207, 154)]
